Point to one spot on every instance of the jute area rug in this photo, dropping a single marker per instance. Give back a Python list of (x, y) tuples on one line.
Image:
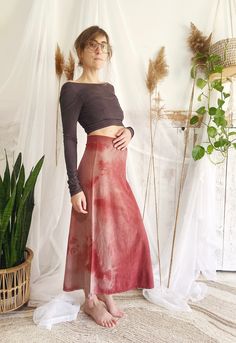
[(212, 319)]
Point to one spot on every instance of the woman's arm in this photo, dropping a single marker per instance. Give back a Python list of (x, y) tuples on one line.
[(70, 108)]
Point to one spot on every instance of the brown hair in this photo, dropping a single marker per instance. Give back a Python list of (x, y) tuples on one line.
[(89, 34)]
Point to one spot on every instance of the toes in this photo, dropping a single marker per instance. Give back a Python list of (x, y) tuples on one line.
[(104, 323), (109, 323), (112, 324)]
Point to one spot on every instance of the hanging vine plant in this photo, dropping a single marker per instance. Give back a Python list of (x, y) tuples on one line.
[(212, 99), (219, 137)]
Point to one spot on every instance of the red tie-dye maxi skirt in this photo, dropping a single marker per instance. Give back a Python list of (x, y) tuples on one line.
[(108, 250)]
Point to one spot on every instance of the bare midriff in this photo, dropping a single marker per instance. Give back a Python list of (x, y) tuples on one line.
[(109, 131)]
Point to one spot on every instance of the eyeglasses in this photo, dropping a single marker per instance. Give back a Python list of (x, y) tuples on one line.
[(92, 45)]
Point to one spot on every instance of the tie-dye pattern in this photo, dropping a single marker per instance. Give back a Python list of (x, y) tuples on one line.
[(108, 250)]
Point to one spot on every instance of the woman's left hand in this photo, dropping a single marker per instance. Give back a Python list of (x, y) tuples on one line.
[(123, 139)]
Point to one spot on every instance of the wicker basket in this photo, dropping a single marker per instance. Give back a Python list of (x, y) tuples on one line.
[(226, 49), (14, 284)]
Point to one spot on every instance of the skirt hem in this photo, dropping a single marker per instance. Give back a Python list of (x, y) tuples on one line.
[(108, 292)]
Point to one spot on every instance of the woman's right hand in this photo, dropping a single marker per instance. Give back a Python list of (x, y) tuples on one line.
[(79, 202)]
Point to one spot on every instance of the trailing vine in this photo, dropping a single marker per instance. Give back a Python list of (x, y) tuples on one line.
[(211, 111)]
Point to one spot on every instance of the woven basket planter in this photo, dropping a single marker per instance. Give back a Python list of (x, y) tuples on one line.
[(226, 49), (14, 284)]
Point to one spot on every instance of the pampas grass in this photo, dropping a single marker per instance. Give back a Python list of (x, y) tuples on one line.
[(157, 70), (69, 67), (160, 65), (59, 67), (59, 62), (68, 70), (151, 77), (197, 42)]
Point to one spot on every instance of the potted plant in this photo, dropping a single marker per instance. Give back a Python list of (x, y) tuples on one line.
[(208, 76), (16, 208), (219, 137)]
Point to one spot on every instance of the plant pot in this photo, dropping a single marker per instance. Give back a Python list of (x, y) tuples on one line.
[(226, 49), (14, 284)]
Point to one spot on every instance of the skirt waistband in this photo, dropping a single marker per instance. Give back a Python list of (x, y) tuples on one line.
[(99, 137)]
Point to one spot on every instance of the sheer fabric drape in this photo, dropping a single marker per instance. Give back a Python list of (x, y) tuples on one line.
[(28, 106)]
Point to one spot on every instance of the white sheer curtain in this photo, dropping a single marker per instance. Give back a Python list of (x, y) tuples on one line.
[(28, 120)]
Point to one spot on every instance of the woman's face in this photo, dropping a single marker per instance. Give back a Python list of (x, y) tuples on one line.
[(95, 53)]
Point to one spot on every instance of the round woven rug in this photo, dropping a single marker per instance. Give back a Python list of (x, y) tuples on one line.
[(211, 320)]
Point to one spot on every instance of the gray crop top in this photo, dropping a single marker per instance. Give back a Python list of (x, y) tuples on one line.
[(94, 106)]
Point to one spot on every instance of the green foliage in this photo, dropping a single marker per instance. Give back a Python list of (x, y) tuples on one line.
[(194, 120), (198, 152), (212, 132), (16, 208), (201, 83), (209, 149), (220, 138), (201, 110)]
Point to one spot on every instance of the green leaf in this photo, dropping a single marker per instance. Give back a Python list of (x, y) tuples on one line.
[(218, 68), (17, 165), (219, 88), (194, 120), (214, 58), (212, 132), (198, 152), (16, 212), (8, 209), (201, 83), (30, 183), (221, 142), (2, 198), (220, 121), (199, 98), (210, 149), (217, 144), (226, 95), (217, 84), (20, 185), (27, 221), (220, 112), (201, 110), (200, 55), (7, 179), (6, 217), (22, 217), (220, 102), (231, 133), (212, 111), (234, 145)]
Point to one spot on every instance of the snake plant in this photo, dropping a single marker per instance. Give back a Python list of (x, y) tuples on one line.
[(16, 207)]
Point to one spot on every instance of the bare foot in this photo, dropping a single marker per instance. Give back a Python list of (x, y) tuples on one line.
[(97, 310), (111, 305)]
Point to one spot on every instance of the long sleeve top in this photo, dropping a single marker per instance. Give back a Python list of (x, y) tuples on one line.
[(94, 106)]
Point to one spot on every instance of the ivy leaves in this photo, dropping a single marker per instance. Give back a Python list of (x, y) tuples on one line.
[(211, 110)]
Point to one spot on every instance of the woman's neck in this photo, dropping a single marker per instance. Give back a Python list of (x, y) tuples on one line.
[(89, 77)]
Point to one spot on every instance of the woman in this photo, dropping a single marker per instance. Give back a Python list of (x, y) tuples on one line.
[(108, 250)]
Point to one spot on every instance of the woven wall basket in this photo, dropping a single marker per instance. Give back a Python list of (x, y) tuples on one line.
[(226, 49), (14, 284)]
